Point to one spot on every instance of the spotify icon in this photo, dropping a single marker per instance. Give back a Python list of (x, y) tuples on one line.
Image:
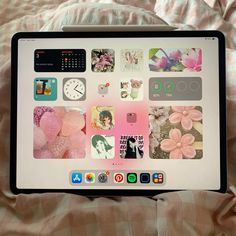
[(131, 178)]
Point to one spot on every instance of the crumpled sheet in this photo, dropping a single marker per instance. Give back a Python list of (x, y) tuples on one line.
[(174, 213)]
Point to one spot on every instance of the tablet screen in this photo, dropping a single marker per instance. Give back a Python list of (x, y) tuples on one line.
[(128, 113)]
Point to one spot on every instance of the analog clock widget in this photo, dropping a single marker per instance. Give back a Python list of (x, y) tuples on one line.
[(74, 89)]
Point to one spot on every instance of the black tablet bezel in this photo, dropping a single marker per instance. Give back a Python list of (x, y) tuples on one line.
[(112, 192)]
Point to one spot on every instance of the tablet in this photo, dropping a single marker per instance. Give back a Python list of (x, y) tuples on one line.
[(118, 113)]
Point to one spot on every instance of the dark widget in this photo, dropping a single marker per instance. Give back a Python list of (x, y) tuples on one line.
[(60, 60)]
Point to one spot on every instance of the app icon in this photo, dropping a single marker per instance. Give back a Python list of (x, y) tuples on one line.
[(131, 117), (89, 178), (45, 89), (132, 178), (144, 178), (76, 177), (157, 178), (102, 177), (119, 178), (103, 88)]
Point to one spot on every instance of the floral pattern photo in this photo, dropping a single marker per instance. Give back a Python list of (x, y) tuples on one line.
[(103, 60), (175, 60), (175, 132), (59, 132), (131, 60)]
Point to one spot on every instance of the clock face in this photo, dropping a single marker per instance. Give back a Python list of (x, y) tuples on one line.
[(74, 89)]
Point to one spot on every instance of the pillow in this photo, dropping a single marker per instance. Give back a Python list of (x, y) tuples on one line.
[(101, 14)]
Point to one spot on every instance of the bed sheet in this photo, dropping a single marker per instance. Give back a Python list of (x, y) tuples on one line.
[(175, 213)]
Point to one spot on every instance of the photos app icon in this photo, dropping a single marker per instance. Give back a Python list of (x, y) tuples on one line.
[(89, 178)]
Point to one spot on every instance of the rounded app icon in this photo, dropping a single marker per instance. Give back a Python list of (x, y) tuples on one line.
[(132, 178), (89, 178), (102, 177), (144, 178), (157, 178), (119, 178), (76, 177)]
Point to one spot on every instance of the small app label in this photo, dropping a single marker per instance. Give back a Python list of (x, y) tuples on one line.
[(132, 178), (144, 178), (76, 177), (119, 178), (89, 178), (158, 178)]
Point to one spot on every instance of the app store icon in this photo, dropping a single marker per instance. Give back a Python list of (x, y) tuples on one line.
[(76, 177)]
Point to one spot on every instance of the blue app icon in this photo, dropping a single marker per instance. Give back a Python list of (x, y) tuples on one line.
[(76, 177)]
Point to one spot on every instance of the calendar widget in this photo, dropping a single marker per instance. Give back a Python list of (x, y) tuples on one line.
[(59, 60)]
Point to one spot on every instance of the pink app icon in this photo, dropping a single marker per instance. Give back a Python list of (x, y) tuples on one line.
[(131, 117)]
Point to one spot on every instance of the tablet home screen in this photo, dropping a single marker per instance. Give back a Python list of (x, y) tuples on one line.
[(118, 113)]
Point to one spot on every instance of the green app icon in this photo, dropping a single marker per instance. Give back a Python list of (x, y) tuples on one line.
[(132, 178)]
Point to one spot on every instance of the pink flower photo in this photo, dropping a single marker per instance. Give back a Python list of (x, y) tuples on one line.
[(175, 132), (103, 60), (175, 60)]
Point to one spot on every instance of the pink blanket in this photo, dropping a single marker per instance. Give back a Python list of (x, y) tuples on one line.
[(176, 213)]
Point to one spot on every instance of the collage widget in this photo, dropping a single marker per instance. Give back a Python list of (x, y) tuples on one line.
[(131, 60), (131, 90), (175, 132)]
